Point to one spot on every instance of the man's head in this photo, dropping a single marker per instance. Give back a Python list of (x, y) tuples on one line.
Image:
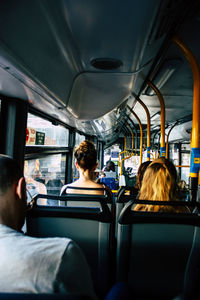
[(12, 193)]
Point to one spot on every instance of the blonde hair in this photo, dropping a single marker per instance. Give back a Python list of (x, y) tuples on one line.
[(159, 183), (140, 174)]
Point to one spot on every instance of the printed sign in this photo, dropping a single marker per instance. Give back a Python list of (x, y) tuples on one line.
[(30, 136), (39, 138)]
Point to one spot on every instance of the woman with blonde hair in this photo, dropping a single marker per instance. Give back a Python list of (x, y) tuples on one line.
[(86, 162), (160, 184), (140, 174)]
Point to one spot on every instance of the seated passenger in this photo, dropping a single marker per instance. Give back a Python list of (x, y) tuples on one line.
[(34, 265), (140, 174), (160, 183), (110, 166), (33, 185), (183, 190), (53, 188), (86, 163)]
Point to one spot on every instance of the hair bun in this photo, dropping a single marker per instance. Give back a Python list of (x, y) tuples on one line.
[(86, 155)]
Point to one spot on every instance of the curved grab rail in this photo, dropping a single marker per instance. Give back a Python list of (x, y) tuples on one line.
[(148, 128), (127, 157), (162, 121), (132, 136), (141, 131), (167, 143)]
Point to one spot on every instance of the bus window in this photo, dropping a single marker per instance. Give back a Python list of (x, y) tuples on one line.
[(45, 175), (45, 171), (78, 139), (42, 132), (185, 161), (174, 154)]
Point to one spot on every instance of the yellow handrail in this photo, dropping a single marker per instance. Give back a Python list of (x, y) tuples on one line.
[(141, 131), (162, 121), (148, 128), (123, 160), (195, 150), (121, 154), (182, 166), (124, 142), (167, 143)]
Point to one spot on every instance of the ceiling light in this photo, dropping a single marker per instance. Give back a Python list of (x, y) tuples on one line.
[(167, 70)]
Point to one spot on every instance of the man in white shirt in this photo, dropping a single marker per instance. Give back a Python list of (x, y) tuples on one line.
[(34, 265)]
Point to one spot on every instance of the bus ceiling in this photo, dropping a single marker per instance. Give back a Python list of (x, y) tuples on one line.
[(81, 62)]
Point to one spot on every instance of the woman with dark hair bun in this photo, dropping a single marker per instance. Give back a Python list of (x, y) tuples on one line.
[(86, 163)]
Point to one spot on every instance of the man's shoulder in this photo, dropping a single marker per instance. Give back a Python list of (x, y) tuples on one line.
[(53, 244), (48, 242)]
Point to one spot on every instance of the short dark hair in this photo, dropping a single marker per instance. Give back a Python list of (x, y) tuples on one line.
[(110, 166), (10, 172)]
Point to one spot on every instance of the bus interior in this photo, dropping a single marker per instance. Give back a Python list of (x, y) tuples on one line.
[(124, 75)]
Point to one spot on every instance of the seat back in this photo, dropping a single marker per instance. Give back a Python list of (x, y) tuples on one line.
[(89, 227), (152, 251), (22, 296), (109, 181), (122, 199), (192, 274)]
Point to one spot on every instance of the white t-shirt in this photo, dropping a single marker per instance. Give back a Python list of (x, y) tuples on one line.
[(42, 265)]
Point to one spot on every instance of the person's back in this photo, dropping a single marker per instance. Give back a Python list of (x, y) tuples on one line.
[(86, 163), (34, 265), (41, 265)]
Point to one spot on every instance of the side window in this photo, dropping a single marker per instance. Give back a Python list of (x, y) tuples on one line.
[(185, 161), (78, 139), (45, 175), (41, 132), (46, 151)]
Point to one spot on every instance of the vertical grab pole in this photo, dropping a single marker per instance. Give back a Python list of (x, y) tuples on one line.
[(124, 142), (167, 143), (148, 128), (162, 124), (141, 131), (195, 150), (132, 136)]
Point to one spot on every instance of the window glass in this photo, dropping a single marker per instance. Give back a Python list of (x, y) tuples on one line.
[(185, 159), (45, 175), (174, 153), (185, 147), (185, 172), (79, 139), (42, 132)]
